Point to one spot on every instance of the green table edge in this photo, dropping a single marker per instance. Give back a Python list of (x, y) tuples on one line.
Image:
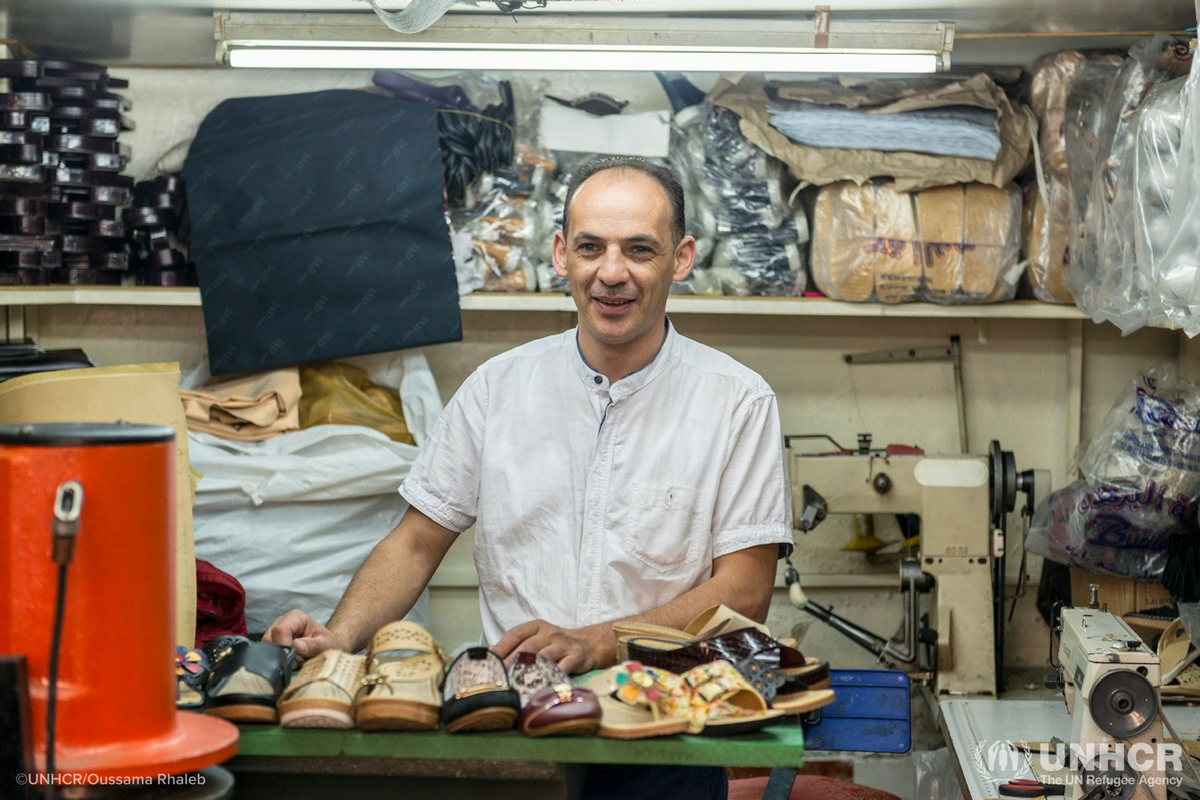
[(781, 745)]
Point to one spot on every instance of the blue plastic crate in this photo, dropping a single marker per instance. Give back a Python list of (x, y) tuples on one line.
[(870, 715)]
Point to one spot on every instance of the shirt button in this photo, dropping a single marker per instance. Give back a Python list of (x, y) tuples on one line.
[(599, 379)]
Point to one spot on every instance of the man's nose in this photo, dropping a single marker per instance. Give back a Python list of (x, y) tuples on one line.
[(613, 269)]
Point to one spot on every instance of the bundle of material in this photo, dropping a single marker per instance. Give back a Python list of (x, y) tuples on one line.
[(499, 217), (951, 244), (473, 139), (250, 408), (913, 131)]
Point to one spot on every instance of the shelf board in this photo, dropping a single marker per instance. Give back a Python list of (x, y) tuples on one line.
[(678, 304)]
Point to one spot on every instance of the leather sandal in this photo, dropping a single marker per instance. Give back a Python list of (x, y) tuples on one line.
[(477, 694), (634, 702), (722, 702), (191, 674), (745, 646), (713, 622), (550, 705), (322, 693), (401, 688), (247, 678)]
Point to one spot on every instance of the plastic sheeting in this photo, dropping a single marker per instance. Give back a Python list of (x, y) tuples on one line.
[(1139, 485), (293, 517), (1134, 259)]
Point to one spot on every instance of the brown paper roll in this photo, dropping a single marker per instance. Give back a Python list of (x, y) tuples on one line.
[(1053, 77), (1049, 240)]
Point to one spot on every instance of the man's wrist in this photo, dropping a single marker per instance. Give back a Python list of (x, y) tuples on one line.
[(601, 644)]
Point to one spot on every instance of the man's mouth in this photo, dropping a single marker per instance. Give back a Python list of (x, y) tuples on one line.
[(613, 302)]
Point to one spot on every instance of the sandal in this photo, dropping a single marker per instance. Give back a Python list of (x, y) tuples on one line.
[(246, 679), (322, 694), (634, 702), (722, 703), (477, 694), (714, 621), (191, 673), (550, 705), (400, 691)]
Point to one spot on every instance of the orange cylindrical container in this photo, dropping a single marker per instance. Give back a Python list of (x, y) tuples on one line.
[(116, 692)]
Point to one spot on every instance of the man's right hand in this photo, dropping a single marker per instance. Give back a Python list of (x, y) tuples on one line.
[(304, 634)]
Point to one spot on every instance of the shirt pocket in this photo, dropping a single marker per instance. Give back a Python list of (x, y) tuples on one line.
[(663, 527)]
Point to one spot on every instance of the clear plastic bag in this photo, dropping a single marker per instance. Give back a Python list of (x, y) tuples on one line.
[(954, 244), (1047, 238), (501, 223), (1106, 275), (1139, 486), (936, 776)]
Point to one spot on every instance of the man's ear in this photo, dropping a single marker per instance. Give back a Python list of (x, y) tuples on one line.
[(558, 254), (685, 258)]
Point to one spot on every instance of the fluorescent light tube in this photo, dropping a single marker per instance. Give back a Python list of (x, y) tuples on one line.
[(369, 55)]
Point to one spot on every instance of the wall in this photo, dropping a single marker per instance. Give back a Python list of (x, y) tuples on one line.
[(1017, 375)]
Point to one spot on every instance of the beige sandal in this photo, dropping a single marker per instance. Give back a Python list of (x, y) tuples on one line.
[(714, 621), (322, 694), (633, 702), (401, 691)]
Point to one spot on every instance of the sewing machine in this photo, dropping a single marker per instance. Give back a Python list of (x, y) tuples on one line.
[(1110, 681), (962, 502)]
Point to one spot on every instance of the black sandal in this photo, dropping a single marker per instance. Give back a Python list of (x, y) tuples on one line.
[(247, 678)]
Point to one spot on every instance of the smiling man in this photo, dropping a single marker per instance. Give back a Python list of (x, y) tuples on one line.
[(615, 471)]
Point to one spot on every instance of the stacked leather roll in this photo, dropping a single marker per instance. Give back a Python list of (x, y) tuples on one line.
[(950, 244), (60, 174)]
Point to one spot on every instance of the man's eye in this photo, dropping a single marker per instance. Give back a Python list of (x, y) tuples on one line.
[(642, 250), (587, 247)]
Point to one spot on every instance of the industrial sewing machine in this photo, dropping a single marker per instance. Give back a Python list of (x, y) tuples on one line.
[(962, 502), (1110, 680)]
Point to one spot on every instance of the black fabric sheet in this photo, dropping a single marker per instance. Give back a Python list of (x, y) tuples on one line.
[(318, 230)]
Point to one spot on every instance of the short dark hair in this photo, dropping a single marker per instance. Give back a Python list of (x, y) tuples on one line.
[(663, 175)]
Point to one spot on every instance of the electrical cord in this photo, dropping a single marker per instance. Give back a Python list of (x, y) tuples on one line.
[(68, 503), (52, 690)]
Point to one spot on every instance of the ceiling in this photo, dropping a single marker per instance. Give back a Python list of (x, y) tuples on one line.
[(180, 31)]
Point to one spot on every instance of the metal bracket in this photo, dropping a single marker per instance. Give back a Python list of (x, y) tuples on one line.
[(821, 24)]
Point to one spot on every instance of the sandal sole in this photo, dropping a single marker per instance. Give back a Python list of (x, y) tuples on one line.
[(643, 731), (484, 719), (265, 714), (573, 727), (743, 726), (800, 704), (315, 712), (396, 715)]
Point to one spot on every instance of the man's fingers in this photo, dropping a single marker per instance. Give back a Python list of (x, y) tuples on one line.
[(510, 641), (572, 662), (288, 627)]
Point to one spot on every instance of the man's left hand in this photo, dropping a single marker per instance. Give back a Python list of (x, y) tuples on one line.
[(569, 648)]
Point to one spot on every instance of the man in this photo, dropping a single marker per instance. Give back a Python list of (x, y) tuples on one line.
[(616, 471)]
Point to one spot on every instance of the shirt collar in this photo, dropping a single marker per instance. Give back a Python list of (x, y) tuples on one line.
[(628, 384)]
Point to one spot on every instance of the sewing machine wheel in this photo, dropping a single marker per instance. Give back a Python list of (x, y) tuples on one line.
[(1123, 703), (1004, 481)]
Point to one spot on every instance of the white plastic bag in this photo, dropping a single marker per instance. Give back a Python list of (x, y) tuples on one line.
[(293, 517)]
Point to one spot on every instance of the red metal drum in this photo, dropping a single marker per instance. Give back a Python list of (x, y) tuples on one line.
[(116, 683)]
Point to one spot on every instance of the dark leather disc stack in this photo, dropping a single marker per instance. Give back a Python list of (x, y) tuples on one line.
[(158, 230), (60, 174)]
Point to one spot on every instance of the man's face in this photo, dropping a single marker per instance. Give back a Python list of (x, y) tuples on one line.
[(619, 255)]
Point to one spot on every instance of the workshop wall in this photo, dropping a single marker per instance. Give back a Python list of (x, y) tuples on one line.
[(1016, 374)]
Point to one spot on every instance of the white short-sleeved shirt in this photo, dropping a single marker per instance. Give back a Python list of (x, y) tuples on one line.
[(593, 501)]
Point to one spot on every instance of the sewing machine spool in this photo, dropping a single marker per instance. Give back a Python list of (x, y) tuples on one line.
[(1123, 703)]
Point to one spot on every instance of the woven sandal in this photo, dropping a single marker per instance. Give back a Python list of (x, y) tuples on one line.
[(478, 695), (405, 667), (322, 694), (723, 703), (634, 701)]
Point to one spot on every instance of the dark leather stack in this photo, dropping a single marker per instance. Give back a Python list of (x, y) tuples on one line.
[(60, 174), (158, 230)]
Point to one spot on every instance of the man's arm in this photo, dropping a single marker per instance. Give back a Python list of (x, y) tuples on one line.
[(384, 589), (742, 580)]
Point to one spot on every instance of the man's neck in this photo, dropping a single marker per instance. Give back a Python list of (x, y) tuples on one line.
[(616, 361)]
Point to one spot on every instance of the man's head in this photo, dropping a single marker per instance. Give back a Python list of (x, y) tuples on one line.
[(621, 246)]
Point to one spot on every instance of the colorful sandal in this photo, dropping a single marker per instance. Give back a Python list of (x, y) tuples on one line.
[(722, 702), (634, 702), (322, 693), (191, 674), (550, 705), (401, 690), (477, 694)]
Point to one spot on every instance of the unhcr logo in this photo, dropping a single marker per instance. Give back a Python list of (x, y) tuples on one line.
[(1002, 758)]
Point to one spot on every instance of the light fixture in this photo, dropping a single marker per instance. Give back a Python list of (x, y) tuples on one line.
[(587, 44)]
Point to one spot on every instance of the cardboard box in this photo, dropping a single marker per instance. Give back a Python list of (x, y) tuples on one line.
[(1122, 595)]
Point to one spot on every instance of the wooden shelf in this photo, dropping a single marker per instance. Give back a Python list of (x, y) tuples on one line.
[(750, 306)]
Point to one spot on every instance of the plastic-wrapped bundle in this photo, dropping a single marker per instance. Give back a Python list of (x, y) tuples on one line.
[(1106, 277), (1139, 486), (1048, 235), (1051, 82), (953, 244), (500, 223)]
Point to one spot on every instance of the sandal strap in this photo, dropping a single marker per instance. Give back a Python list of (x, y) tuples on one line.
[(716, 684), (406, 636), (337, 668)]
